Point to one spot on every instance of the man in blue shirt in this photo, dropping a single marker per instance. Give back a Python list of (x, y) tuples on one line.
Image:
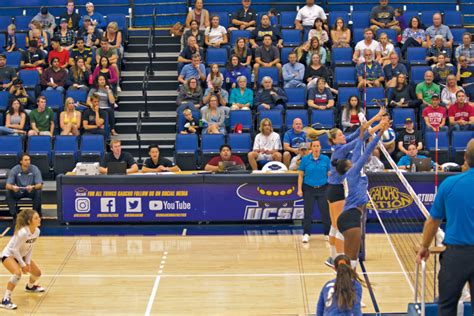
[(293, 72), (392, 70), (369, 73), (405, 161), (453, 203), (193, 70), (97, 19), (291, 141), (438, 28)]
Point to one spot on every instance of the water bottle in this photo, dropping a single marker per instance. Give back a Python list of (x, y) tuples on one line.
[(413, 167)]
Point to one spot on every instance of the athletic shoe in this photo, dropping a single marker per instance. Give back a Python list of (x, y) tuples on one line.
[(7, 304), (329, 262), (305, 238), (34, 289), (362, 304), (326, 237)]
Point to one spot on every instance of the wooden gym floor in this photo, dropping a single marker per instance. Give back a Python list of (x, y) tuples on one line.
[(196, 275)]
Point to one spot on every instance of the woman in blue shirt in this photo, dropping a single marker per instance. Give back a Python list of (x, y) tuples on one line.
[(312, 183), (342, 295), (241, 97)]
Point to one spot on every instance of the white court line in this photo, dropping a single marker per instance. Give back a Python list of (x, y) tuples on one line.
[(152, 295)]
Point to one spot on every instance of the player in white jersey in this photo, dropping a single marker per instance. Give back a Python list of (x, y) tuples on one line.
[(16, 256)]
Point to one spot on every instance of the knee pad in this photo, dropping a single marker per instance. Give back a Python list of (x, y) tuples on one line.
[(339, 235), (333, 232), (15, 279), (349, 219)]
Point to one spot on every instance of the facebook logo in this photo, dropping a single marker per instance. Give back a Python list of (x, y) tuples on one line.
[(107, 205)]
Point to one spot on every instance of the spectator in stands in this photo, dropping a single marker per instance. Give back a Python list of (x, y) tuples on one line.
[(367, 43), (81, 51), (386, 48), (7, 73), (221, 94), (350, 115), (54, 77), (118, 155), (36, 33), (78, 76), (435, 115), (402, 95), (89, 33), (46, 20), (106, 51), (191, 126), (71, 16), (405, 161), (266, 146), (214, 73), (18, 91), (413, 35), (293, 73), (245, 18), (70, 119), (392, 70), (266, 56), (426, 89), (198, 14), (320, 97), (319, 32), (437, 49), (441, 70), (241, 97), (186, 55), (24, 181), (158, 163), (269, 97), (314, 71), (108, 71), (97, 19), (215, 35), (195, 69), (465, 75), (448, 94), (93, 118), (243, 52), (308, 49), (408, 136), (383, 17), (189, 96), (233, 71), (292, 139), (66, 36), (15, 119), (303, 150), (340, 34), (11, 39), (33, 58), (369, 73), (115, 37), (58, 52), (439, 29), (213, 117), (466, 49), (398, 15), (461, 114), (308, 14), (41, 119), (196, 32), (265, 28), (225, 154), (106, 100)]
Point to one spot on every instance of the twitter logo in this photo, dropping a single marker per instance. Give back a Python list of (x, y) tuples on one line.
[(133, 205)]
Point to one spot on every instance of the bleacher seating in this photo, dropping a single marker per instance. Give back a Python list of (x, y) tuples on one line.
[(443, 145), (243, 117), (92, 148), (216, 56), (400, 114), (417, 55), (241, 144), (290, 115), (275, 116), (39, 148), (287, 19), (322, 119), (65, 153), (291, 38), (210, 145), (296, 98), (271, 72), (10, 149), (186, 150), (4, 100), (458, 145)]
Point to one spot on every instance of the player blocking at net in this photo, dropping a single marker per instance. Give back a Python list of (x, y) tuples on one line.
[(349, 222), (16, 256)]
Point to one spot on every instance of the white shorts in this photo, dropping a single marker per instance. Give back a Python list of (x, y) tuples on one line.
[(264, 157)]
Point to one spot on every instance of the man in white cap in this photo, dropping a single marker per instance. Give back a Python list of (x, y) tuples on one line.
[(97, 19)]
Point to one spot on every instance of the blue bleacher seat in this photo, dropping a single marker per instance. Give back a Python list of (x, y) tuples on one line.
[(290, 115), (459, 140), (2, 43), (65, 153), (360, 19), (10, 149), (334, 15), (457, 35), (22, 22), (357, 35), (271, 72), (216, 56), (391, 34), (344, 76), (453, 19), (345, 93), (223, 18), (287, 19), (371, 112), (14, 59), (39, 148), (210, 144), (2, 119), (443, 145), (400, 114), (291, 38), (409, 15), (92, 148), (54, 99), (275, 116), (296, 98), (21, 40), (243, 117), (5, 21), (416, 55), (234, 35), (186, 148), (30, 78), (322, 118), (4, 100), (241, 143), (285, 51), (375, 93), (342, 56), (417, 74), (427, 17), (78, 95), (325, 146)]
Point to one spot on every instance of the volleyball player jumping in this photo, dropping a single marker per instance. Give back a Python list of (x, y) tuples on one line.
[(349, 222), (16, 256)]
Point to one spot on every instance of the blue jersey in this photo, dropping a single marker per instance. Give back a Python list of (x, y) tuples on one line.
[(357, 181), (342, 151), (294, 139), (327, 303)]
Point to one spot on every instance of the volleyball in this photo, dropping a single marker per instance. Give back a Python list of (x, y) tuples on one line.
[(388, 137)]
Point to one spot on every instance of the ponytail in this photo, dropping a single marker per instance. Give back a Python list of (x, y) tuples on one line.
[(344, 288), (23, 219), (314, 134)]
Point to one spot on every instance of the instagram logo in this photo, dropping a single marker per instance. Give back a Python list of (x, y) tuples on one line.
[(83, 205)]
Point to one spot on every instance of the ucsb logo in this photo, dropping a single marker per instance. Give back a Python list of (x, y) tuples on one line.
[(388, 198), (269, 213)]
